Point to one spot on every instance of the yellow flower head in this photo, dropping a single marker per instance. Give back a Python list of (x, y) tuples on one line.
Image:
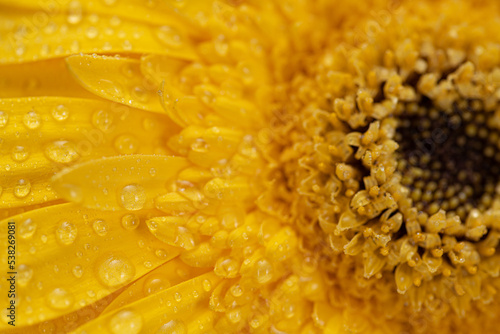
[(227, 166)]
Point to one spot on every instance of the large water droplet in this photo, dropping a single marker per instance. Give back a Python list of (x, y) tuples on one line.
[(62, 151), (24, 274), (115, 270), (32, 120), (4, 118), (19, 153), (130, 222), (169, 36), (66, 233), (173, 327), (100, 227), (60, 113), (126, 321), (103, 120), (133, 197), (22, 188), (60, 299)]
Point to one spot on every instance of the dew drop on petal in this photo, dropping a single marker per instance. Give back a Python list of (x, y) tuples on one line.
[(126, 144), (60, 113), (4, 118), (111, 88), (22, 188), (77, 271), (115, 270), (32, 120), (91, 32), (19, 153), (264, 271), (207, 285), (74, 192), (155, 284), (74, 12), (152, 172), (103, 120), (169, 36), (130, 222), (173, 327), (66, 233), (61, 151), (126, 321), (100, 227), (140, 94), (133, 197), (60, 299), (24, 274)]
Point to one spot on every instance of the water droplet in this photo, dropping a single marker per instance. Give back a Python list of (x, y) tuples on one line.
[(103, 120), (32, 120), (133, 197), (22, 189), (169, 36), (91, 32), (111, 88), (140, 94), (152, 172), (207, 285), (155, 284), (60, 113), (4, 118), (126, 144), (173, 327), (24, 274), (77, 271), (177, 297), (60, 299), (66, 233), (19, 153), (100, 227), (73, 192), (74, 12), (115, 270), (148, 124), (264, 271), (130, 222), (126, 321), (115, 21), (126, 45), (62, 151)]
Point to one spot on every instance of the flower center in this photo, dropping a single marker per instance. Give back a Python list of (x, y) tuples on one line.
[(448, 158)]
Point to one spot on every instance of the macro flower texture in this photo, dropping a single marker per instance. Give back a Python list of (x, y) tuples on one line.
[(249, 166)]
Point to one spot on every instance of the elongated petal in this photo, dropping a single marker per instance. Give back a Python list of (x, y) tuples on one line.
[(170, 274), (126, 182), (176, 308), (123, 82), (42, 135), (95, 253), (37, 79), (34, 35)]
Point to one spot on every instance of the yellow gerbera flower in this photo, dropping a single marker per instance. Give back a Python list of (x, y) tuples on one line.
[(196, 166)]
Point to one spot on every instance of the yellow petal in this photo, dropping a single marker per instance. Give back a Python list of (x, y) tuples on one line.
[(128, 182), (115, 79), (168, 275), (52, 33), (69, 257), (181, 308), (37, 79), (44, 134)]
